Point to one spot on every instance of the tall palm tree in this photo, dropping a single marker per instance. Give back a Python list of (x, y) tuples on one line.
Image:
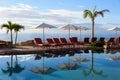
[(93, 14), (9, 26), (17, 28)]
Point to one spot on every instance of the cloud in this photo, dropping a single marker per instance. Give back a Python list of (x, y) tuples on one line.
[(24, 13), (81, 6)]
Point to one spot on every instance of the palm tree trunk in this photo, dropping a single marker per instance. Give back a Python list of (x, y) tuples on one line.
[(16, 59), (11, 38), (16, 38), (92, 27)]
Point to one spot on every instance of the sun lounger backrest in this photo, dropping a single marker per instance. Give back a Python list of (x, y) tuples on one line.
[(111, 39), (73, 40), (119, 39), (102, 39), (63, 40), (86, 40), (2, 42), (56, 40), (93, 39), (38, 41), (50, 41)]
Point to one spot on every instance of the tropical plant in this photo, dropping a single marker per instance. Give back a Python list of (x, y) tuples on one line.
[(17, 28), (97, 43), (92, 15), (9, 26)]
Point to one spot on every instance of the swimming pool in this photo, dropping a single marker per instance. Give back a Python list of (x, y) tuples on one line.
[(97, 66)]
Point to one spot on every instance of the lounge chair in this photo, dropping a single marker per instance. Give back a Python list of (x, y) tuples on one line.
[(110, 42), (64, 41), (38, 43), (57, 41), (102, 39), (93, 39), (86, 41), (117, 41), (3, 43), (74, 40), (52, 43)]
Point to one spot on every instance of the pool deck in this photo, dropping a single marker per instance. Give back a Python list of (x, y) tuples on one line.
[(22, 50)]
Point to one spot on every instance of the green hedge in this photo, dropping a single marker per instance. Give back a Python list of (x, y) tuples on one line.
[(97, 44)]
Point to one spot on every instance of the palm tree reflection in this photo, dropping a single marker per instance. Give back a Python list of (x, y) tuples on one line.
[(16, 68), (92, 70)]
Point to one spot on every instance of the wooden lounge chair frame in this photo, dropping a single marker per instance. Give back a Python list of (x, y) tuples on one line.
[(52, 43), (64, 41), (38, 43)]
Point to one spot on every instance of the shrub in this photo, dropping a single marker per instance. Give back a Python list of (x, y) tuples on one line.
[(97, 44)]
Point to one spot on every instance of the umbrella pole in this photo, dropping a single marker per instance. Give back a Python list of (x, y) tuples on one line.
[(116, 33), (43, 35), (43, 63), (80, 35), (69, 32)]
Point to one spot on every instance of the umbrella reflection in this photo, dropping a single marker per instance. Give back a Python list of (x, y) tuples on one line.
[(69, 65), (43, 69), (16, 68)]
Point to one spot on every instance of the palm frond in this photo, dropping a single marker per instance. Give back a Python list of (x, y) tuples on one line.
[(4, 26), (94, 9), (18, 27), (87, 13), (102, 12), (95, 14), (7, 31), (105, 10)]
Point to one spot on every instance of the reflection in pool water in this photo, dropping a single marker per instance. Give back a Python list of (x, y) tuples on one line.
[(98, 66), (12, 69), (92, 70)]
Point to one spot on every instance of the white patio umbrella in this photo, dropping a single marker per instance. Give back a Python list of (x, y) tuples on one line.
[(44, 26), (82, 29), (116, 29), (69, 27)]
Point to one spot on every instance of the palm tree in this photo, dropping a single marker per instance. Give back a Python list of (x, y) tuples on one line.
[(93, 14), (17, 28), (9, 26)]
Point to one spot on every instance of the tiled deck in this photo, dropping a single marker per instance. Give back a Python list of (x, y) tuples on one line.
[(22, 50), (30, 50)]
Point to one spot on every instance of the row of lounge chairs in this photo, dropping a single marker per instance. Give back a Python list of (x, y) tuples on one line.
[(4, 43), (73, 41), (55, 42)]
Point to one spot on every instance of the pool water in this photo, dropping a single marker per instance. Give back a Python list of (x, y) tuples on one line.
[(98, 67)]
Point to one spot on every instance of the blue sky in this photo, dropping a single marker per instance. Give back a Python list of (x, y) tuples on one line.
[(34, 12)]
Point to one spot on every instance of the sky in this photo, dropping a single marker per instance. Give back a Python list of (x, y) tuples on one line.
[(56, 12)]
